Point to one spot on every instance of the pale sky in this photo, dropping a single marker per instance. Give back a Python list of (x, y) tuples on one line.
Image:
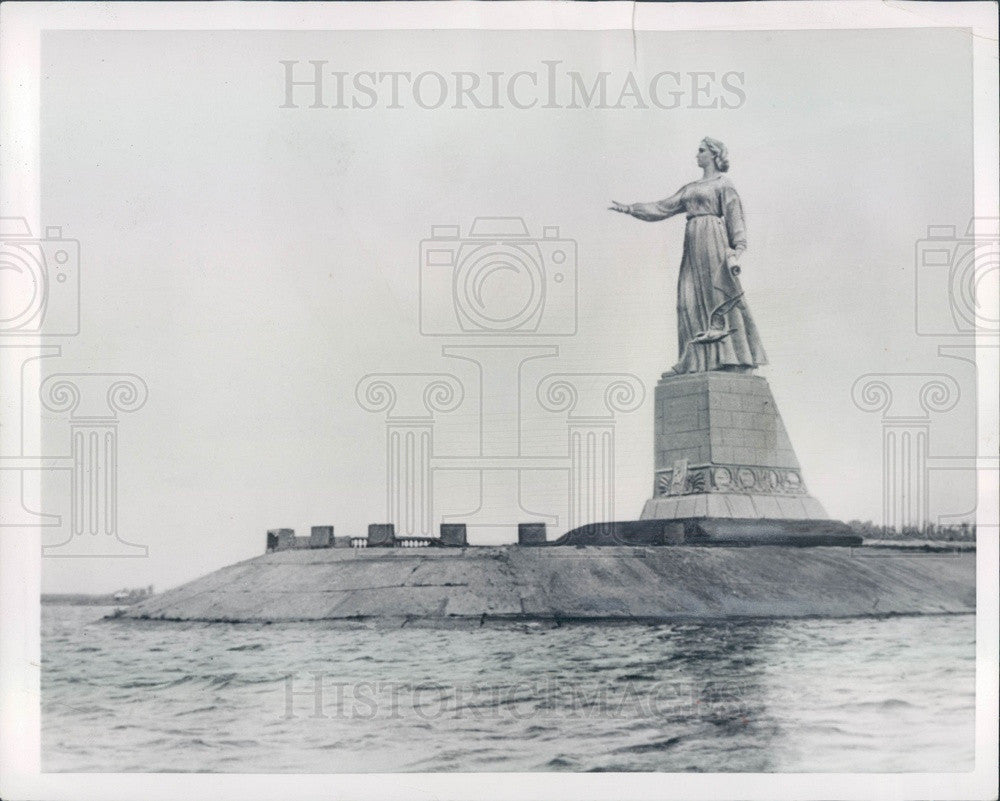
[(253, 263)]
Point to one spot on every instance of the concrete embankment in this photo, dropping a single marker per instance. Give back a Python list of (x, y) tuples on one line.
[(612, 583)]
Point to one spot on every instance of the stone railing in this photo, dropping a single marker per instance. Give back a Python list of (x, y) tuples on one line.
[(383, 535)]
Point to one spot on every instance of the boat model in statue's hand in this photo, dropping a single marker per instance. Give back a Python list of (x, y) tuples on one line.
[(716, 332)]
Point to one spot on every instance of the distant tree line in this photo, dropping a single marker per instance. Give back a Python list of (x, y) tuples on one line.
[(962, 532), (129, 595)]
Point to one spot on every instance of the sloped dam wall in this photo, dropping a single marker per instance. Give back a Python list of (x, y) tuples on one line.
[(574, 583)]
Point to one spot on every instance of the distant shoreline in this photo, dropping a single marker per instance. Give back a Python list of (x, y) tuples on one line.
[(83, 599)]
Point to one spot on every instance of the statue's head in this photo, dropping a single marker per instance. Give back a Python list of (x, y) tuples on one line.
[(718, 153)]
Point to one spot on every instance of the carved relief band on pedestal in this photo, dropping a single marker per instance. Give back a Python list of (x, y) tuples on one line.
[(721, 450), (729, 478)]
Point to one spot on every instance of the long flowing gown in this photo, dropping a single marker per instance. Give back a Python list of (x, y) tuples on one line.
[(714, 226)]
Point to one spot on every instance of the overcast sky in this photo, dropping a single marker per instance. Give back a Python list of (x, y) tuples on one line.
[(252, 263)]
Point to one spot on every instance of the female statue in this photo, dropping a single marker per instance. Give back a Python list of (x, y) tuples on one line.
[(714, 328)]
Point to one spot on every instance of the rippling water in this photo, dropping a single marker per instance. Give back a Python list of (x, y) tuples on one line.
[(809, 695)]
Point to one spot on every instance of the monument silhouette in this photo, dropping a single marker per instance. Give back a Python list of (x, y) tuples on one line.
[(721, 451)]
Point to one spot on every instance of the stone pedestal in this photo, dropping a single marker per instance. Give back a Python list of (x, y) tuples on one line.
[(721, 451)]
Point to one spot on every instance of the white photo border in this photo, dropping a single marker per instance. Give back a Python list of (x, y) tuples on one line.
[(21, 26)]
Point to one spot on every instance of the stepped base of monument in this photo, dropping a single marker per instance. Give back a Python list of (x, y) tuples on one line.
[(714, 531), (734, 505)]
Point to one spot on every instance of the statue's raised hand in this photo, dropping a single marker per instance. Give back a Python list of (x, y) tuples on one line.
[(624, 208)]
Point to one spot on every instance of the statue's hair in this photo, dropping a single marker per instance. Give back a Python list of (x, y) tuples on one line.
[(719, 153)]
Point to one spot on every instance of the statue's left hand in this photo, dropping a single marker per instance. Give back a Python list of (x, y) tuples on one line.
[(733, 260), (621, 207)]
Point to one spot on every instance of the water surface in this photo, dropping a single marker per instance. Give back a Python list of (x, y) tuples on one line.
[(892, 694)]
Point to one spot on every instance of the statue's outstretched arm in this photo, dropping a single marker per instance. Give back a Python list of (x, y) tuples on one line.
[(650, 212)]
